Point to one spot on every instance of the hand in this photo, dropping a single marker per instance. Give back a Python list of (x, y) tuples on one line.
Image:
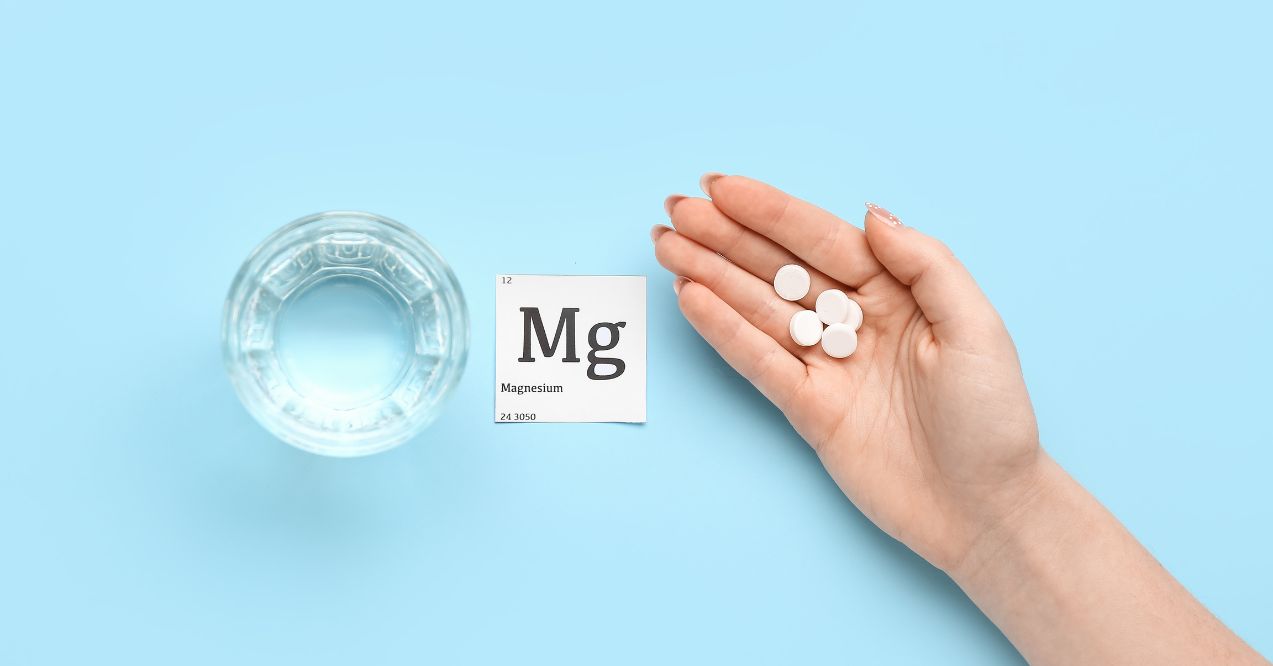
[(927, 428)]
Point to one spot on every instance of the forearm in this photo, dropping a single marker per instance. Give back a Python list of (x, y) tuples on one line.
[(1068, 584)]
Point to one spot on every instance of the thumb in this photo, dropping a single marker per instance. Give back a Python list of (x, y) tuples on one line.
[(944, 290)]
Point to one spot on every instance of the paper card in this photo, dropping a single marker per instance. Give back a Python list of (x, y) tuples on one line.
[(569, 348)]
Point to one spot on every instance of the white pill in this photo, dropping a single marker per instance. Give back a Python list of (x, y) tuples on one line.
[(832, 305), (839, 340), (835, 307), (854, 316), (792, 282), (806, 328)]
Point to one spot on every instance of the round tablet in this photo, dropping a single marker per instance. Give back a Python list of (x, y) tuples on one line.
[(835, 307), (854, 315), (792, 282), (839, 340), (832, 306), (806, 328)]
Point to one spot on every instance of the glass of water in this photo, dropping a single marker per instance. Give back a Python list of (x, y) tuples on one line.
[(343, 333)]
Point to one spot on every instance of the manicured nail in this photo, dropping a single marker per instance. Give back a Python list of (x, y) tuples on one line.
[(678, 283), (705, 183), (670, 203), (880, 213), (658, 230)]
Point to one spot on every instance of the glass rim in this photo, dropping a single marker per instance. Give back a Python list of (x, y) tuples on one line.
[(248, 280)]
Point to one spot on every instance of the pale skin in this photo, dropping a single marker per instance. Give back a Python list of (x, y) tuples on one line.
[(928, 427)]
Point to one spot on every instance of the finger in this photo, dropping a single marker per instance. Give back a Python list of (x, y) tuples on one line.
[(703, 223), (746, 348), (944, 290), (824, 241), (746, 294)]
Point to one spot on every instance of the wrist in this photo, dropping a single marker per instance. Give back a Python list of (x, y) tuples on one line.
[(1066, 583), (1047, 505)]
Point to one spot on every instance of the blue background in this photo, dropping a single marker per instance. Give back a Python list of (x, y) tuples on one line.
[(1102, 168)]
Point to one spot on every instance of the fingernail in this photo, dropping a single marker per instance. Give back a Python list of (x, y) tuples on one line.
[(880, 213), (678, 283), (670, 203), (658, 230), (705, 183)]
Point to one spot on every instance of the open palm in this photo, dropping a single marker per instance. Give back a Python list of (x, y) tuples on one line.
[(927, 428)]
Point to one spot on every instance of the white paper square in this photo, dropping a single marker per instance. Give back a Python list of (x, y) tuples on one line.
[(551, 388)]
